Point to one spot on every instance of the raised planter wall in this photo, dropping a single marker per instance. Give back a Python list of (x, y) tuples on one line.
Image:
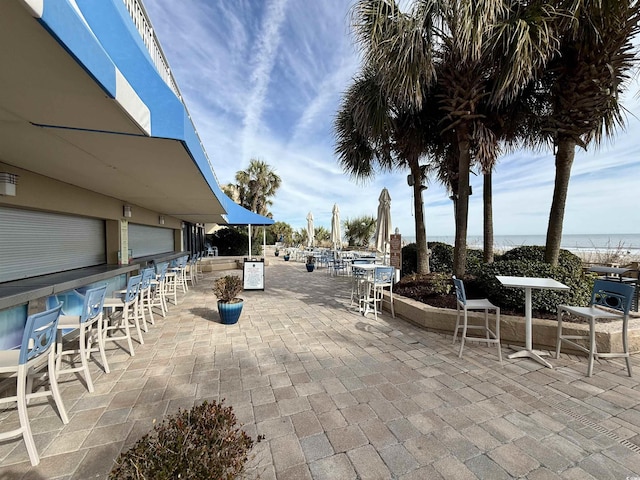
[(512, 329), (216, 264)]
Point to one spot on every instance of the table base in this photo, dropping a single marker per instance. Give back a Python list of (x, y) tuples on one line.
[(532, 354)]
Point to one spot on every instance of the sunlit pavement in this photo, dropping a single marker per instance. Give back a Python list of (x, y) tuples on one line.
[(340, 396)]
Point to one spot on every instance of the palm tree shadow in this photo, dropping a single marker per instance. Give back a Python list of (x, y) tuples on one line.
[(208, 314)]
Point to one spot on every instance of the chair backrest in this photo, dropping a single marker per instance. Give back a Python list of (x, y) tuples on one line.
[(93, 303), (614, 295), (460, 293), (384, 275), (133, 287), (39, 334), (162, 271), (148, 274), (361, 261)]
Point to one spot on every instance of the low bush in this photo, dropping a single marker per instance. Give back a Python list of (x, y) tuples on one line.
[(535, 253), (475, 260), (230, 242), (409, 259), (528, 261), (197, 444), (233, 241), (423, 287), (441, 259)]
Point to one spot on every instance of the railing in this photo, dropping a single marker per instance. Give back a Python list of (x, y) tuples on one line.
[(143, 24)]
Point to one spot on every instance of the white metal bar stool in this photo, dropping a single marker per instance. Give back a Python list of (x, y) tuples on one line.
[(609, 300), (89, 318), (128, 307), (464, 304), (38, 342)]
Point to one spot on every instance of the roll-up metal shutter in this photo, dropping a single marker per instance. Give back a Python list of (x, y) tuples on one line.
[(145, 240), (37, 243)]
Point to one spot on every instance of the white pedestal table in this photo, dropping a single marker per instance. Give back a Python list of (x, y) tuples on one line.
[(529, 283)]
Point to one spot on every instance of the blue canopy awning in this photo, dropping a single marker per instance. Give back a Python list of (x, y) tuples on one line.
[(238, 215)]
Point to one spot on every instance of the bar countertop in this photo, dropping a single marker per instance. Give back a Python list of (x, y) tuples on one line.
[(19, 292)]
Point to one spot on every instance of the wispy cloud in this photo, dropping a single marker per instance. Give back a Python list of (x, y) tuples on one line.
[(264, 79), (266, 50)]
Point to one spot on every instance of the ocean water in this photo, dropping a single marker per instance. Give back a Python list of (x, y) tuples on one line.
[(628, 243)]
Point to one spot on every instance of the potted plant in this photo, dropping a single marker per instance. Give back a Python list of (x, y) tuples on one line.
[(229, 305), (311, 263), (277, 252), (286, 256)]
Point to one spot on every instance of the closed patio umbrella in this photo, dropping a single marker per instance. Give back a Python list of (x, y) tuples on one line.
[(383, 222), (336, 235), (310, 230)]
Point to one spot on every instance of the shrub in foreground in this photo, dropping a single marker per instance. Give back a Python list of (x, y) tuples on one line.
[(204, 442)]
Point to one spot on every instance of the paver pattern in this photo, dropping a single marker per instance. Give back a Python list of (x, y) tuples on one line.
[(341, 396)]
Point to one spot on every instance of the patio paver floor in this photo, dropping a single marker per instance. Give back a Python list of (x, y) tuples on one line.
[(338, 396)]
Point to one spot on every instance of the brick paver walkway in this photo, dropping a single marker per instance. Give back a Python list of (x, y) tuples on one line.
[(341, 396)]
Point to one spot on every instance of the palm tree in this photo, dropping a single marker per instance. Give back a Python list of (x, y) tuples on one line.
[(282, 232), (300, 237), (256, 186), (359, 231), (371, 131), (472, 52), (321, 234), (581, 88)]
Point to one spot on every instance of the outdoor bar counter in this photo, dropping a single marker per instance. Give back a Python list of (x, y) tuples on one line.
[(158, 258), (19, 292)]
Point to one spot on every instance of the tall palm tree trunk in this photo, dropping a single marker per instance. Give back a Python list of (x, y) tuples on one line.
[(487, 201), (462, 204), (564, 160), (421, 232)]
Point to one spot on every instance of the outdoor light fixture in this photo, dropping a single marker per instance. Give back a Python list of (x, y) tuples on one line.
[(161, 220), (126, 211), (8, 182), (410, 181)]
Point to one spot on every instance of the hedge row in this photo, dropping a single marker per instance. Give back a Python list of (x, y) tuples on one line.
[(527, 261)]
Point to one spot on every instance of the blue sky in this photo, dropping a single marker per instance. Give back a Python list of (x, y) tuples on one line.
[(263, 79)]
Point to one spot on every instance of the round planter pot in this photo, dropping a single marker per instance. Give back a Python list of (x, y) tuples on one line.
[(229, 312), (310, 267), (276, 253), (286, 258)]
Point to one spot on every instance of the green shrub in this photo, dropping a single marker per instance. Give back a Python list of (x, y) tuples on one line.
[(529, 262), (475, 260), (423, 287), (230, 242), (441, 259), (197, 444), (535, 253), (409, 259), (441, 283)]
